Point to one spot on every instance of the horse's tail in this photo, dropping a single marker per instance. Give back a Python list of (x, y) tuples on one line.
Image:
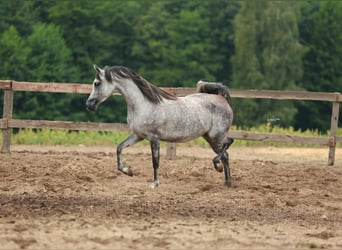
[(216, 88)]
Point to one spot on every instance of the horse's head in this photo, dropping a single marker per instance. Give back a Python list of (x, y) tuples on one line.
[(103, 87)]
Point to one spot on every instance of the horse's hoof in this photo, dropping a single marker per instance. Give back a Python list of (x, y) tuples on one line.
[(154, 184), (127, 171), (228, 184), (218, 167)]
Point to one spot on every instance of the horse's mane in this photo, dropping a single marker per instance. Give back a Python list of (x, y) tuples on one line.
[(154, 94)]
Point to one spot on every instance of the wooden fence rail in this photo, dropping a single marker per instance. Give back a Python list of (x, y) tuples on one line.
[(7, 122)]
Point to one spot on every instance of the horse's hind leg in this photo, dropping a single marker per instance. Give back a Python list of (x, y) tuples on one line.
[(225, 161), (219, 149), (222, 150), (222, 156)]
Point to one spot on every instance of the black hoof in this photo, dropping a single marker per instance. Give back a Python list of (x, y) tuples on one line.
[(228, 184)]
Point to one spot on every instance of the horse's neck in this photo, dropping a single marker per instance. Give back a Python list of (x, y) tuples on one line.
[(133, 96)]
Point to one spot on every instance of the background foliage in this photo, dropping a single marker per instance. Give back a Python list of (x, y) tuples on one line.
[(284, 45)]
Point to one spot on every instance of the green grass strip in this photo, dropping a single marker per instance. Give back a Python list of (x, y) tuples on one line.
[(89, 138)]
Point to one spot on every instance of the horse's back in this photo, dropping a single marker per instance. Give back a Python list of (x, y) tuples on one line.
[(214, 105)]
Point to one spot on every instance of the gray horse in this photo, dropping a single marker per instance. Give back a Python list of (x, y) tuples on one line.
[(157, 115)]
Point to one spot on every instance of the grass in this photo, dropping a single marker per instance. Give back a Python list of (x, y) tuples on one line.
[(88, 138), (67, 138)]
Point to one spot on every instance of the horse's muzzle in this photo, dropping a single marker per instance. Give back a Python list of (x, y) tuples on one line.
[(91, 104)]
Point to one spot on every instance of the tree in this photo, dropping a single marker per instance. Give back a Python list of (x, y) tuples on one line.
[(14, 53), (98, 32), (221, 18), (268, 56), (181, 42), (50, 59), (18, 14), (322, 34), (81, 36)]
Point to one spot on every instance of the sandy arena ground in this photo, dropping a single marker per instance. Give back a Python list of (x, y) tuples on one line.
[(75, 198)]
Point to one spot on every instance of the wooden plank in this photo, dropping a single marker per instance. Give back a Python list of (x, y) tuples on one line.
[(235, 93), (265, 137), (5, 84), (272, 94), (184, 91), (14, 123), (3, 123), (286, 95), (170, 90), (243, 135), (338, 139), (52, 87)]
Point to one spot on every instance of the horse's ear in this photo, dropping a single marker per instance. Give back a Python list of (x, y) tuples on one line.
[(97, 68)]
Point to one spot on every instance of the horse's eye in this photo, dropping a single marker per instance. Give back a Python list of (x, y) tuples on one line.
[(97, 83)]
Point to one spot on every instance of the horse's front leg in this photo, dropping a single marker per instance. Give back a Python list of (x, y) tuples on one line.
[(155, 148), (130, 140)]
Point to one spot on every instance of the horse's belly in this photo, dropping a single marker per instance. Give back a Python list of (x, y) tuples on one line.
[(180, 137), (182, 130)]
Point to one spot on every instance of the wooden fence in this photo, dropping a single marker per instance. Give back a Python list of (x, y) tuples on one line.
[(7, 122)]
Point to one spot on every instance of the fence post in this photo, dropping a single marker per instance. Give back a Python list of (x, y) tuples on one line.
[(171, 151), (333, 132), (7, 114), (171, 147)]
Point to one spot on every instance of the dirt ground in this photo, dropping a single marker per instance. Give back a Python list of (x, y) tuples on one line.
[(75, 198)]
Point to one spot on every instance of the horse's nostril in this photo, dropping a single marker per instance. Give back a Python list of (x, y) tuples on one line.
[(91, 104), (91, 108)]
